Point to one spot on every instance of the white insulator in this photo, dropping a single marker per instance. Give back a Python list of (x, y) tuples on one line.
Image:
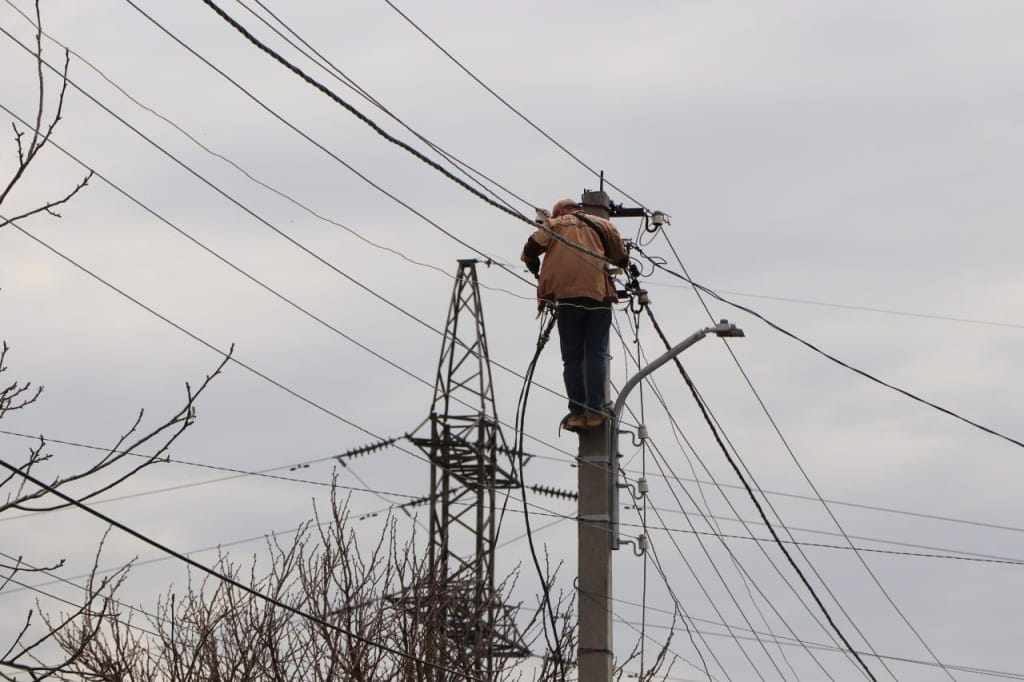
[(641, 542), (641, 432), (642, 486)]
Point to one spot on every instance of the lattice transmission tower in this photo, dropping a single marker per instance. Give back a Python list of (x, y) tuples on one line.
[(470, 463)]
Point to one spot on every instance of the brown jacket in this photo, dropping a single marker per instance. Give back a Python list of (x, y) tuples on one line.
[(568, 272)]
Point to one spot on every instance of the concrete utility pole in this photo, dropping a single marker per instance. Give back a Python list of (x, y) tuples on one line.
[(598, 521)]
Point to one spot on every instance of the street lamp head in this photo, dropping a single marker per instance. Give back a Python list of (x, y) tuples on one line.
[(727, 330)]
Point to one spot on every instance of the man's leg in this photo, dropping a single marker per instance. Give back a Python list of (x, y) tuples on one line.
[(570, 339), (596, 333)]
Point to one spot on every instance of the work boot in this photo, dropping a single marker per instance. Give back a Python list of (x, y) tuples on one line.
[(595, 419), (574, 422)]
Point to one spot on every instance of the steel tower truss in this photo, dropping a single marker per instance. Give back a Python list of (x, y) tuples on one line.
[(470, 463)]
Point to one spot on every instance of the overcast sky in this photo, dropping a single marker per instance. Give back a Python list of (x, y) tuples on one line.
[(855, 155)]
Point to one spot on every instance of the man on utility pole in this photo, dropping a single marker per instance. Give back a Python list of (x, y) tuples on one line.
[(576, 280)]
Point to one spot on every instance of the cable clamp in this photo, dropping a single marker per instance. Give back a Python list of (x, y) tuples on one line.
[(594, 517)]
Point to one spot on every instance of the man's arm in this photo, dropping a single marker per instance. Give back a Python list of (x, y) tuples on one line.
[(531, 255)]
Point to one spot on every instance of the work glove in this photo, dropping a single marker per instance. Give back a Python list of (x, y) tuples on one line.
[(534, 267)]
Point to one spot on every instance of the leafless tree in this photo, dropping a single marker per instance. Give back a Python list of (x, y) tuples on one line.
[(30, 654), (108, 470), (30, 143), (370, 613)]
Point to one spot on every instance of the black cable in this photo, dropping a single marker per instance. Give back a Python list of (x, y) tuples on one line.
[(771, 561), (380, 131), (520, 424), (361, 116), (510, 107), (760, 509), (746, 578), (213, 573), (864, 308), (332, 69), (273, 228), (803, 472), (887, 510), (836, 360), (664, 463), (324, 149), (259, 218), (192, 138)]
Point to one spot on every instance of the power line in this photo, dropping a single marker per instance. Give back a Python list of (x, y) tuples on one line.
[(358, 114), (332, 69), (507, 104), (246, 274), (390, 138), (676, 431), (252, 213), (952, 554), (664, 464), (764, 517), (213, 573), (847, 306), (836, 360), (324, 149), (192, 138), (713, 422), (888, 510)]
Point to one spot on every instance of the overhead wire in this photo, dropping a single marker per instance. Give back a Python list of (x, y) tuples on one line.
[(710, 599), (249, 276), (242, 206), (714, 424), (847, 306), (228, 580), (507, 104), (251, 176), (321, 147), (634, 320), (358, 114), (330, 94), (870, 377), (729, 502), (744, 573), (891, 658), (947, 553), (785, 442), (760, 509), (856, 505), (576, 158), (309, 52)]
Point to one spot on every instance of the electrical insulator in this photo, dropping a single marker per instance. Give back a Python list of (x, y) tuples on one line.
[(641, 432), (641, 542), (642, 487)]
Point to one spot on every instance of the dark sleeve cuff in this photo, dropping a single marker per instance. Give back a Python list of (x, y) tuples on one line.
[(532, 250)]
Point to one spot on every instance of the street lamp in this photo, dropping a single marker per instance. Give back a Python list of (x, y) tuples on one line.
[(723, 329), (598, 523)]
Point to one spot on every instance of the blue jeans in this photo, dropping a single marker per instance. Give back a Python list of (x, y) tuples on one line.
[(583, 330)]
